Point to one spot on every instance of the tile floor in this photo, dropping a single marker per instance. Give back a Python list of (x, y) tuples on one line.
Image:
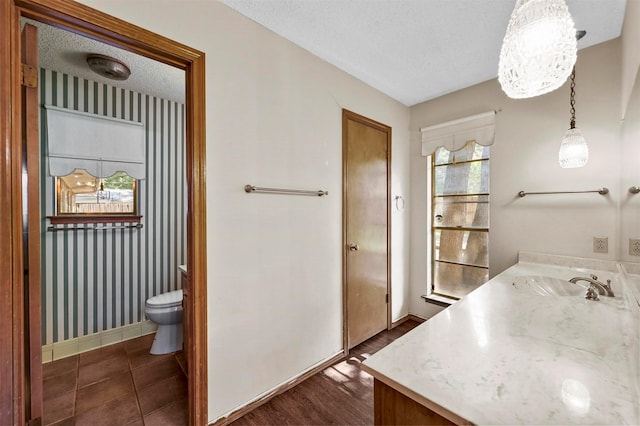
[(121, 384)]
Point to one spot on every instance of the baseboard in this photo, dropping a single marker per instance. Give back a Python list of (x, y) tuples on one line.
[(408, 317), (266, 397), (66, 348)]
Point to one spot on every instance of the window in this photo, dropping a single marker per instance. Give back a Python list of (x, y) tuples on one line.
[(460, 220), (458, 211), (97, 162), (80, 193)]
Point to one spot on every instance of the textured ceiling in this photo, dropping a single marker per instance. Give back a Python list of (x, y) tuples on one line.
[(414, 50), (66, 52)]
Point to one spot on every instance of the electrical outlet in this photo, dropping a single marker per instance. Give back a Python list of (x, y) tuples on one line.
[(634, 246), (600, 244)]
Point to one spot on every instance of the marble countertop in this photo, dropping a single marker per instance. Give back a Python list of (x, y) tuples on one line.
[(504, 355)]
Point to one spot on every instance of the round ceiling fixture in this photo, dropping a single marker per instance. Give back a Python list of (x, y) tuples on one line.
[(108, 67)]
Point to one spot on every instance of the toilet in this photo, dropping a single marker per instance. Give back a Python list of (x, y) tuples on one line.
[(166, 310)]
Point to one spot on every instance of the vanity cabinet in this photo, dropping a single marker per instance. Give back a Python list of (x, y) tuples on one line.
[(186, 317), (391, 407), (499, 356)]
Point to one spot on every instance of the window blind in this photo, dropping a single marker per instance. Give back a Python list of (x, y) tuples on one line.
[(454, 135), (100, 145)]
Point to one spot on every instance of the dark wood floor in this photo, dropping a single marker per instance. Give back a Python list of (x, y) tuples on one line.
[(123, 384), (120, 384), (341, 394)]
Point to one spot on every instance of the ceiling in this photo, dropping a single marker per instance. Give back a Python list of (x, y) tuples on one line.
[(411, 50), (66, 52), (414, 50)]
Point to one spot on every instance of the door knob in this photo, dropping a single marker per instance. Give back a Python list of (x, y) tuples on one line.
[(353, 247)]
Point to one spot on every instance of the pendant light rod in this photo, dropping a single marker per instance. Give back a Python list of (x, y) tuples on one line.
[(574, 151), (572, 99)]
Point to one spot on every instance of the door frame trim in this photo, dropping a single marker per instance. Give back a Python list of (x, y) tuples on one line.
[(81, 19), (33, 288), (346, 116)]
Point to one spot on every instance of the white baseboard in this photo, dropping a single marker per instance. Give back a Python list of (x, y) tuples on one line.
[(58, 350)]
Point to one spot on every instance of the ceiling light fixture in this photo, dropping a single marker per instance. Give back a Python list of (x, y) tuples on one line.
[(574, 151), (108, 67), (538, 50)]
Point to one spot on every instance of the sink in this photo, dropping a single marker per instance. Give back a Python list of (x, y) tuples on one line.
[(547, 286)]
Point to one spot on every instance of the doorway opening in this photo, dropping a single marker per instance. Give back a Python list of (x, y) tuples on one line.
[(96, 276), (85, 21)]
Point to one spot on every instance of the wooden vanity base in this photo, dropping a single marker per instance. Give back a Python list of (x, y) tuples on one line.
[(393, 408)]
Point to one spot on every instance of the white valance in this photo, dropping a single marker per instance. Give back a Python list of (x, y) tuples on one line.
[(100, 145), (455, 134)]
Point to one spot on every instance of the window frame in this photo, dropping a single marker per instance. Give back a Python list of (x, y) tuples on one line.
[(94, 217), (58, 184), (432, 294)]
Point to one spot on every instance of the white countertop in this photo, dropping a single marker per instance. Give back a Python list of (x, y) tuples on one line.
[(504, 355)]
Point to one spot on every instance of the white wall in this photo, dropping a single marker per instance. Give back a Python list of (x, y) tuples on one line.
[(274, 262), (525, 157), (630, 170), (630, 149), (630, 52)]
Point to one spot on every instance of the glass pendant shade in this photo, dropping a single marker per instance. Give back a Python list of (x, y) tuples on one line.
[(574, 151), (539, 49)]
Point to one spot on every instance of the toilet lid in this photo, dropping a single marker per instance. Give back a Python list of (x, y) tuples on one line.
[(170, 298)]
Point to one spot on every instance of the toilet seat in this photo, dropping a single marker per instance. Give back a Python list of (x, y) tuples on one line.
[(165, 300)]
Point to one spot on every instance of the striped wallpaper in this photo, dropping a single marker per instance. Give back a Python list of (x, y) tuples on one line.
[(95, 280)]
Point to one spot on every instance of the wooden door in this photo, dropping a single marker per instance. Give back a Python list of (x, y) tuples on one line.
[(366, 160), (31, 232)]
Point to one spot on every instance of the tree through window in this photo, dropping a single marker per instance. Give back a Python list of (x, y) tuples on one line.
[(460, 222)]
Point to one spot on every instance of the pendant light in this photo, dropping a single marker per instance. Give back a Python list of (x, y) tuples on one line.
[(538, 50), (574, 151)]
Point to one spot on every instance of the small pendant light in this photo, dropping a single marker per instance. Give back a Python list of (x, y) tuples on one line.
[(574, 151)]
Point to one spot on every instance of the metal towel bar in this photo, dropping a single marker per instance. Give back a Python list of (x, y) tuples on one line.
[(252, 188), (53, 228), (601, 191)]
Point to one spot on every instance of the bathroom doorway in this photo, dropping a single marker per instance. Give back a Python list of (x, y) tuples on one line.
[(83, 20)]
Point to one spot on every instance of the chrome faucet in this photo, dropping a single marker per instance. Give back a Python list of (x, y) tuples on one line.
[(604, 289)]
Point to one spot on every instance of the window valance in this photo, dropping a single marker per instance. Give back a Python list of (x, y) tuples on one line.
[(100, 145), (454, 135)]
